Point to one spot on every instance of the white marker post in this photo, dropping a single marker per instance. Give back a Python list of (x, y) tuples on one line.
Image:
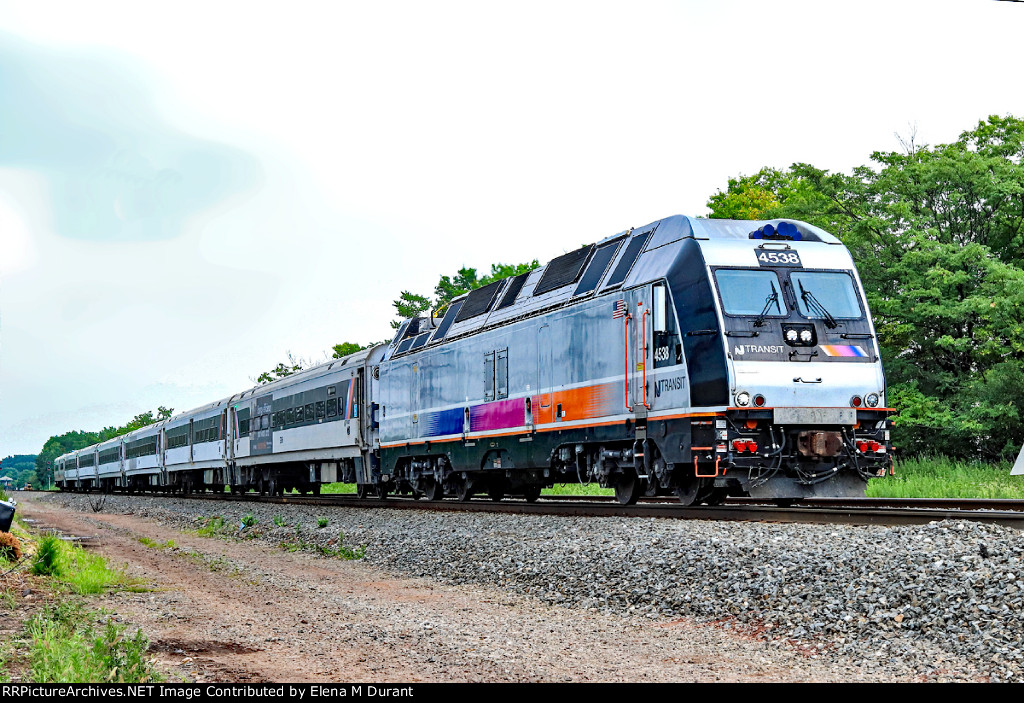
[(1018, 466)]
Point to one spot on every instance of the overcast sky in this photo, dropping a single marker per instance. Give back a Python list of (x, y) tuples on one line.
[(191, 190)]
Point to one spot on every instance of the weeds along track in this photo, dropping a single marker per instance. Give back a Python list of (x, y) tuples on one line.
[(839, 511)]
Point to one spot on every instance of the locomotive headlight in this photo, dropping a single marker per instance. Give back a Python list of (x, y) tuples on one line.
[(743, 398), (791, 335), (871, 400), (806, 336)]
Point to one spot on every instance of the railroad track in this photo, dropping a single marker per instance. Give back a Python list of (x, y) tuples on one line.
[(846, 511)]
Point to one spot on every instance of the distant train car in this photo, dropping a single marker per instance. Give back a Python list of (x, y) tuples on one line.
[(701, 358)]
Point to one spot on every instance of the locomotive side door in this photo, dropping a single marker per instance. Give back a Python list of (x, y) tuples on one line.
[(543, 413), (636, 345)]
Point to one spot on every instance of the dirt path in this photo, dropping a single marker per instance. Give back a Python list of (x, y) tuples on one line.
[(233, 611)]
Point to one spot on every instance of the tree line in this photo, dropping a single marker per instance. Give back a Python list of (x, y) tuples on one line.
[(70, 441)]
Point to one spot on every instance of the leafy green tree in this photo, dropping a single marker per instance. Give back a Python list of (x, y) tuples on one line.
[(755, 197), (451, 287), (21, 468), (346, 348), (282, 370), (409, 305)]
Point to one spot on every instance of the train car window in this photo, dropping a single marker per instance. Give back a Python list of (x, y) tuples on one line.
[(309, 412), (750, 292), (502, 373), (449, 318), (597, 267), (832, 291), (332, 407), (513, 291), (420, 341), (629, 257), (563, 270), (298, 414), (264, 422), (404, 346), (320, 409), (331, 390), (489, 376)]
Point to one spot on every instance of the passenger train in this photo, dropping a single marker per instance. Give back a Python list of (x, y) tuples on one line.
[(690, 357)]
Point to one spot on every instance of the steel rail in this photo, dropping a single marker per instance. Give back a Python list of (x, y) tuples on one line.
[(833, 511)]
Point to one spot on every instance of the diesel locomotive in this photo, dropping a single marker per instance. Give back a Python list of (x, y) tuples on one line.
[(690, 357)]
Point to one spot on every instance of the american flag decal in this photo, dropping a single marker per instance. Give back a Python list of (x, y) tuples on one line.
[(620, 309)]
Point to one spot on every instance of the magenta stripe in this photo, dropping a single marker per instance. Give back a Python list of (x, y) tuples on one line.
[(496, 416)]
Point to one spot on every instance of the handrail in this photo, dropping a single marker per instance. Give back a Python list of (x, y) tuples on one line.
[(625, 347), (643, 356)]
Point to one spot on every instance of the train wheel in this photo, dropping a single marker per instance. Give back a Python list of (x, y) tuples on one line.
[(717, 496), (650, 488), (629, 488), (463, 492), (434, 490), (689, 491), (362, 490), (531, 493), (382, 492)]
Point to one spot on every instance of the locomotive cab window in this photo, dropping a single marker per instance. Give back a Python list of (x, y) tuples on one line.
[(668, 349), (750, 292), (820, 291)]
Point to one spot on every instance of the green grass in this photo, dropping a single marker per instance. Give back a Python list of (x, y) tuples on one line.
[(577, 489), (65, 646), (340, 551), (89, 573), (154, 544), (338, 488), (941, 477), (70, 564), (212, 527), (47, 561)]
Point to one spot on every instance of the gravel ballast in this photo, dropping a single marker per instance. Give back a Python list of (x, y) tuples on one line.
[(939, 601)]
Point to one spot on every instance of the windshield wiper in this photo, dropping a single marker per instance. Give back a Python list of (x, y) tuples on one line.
[(815, 306), (768, 302)]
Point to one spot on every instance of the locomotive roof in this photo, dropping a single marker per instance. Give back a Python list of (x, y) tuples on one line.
[(629, 259)]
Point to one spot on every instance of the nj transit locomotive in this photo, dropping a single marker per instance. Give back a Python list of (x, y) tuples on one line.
[(701, 358)]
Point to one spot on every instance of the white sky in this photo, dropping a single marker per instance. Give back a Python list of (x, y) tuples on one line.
[(190, 190)]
